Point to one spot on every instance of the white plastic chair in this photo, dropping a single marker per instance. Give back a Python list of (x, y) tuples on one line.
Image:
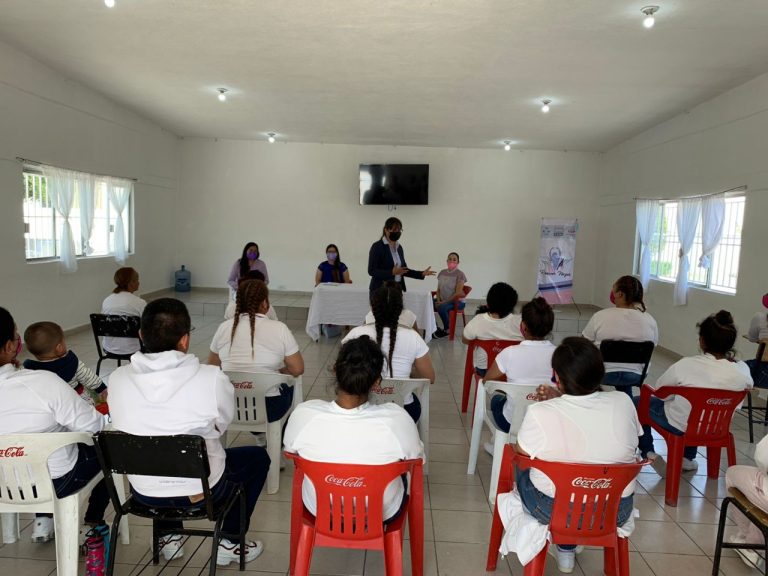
[(26, 487), (396, 390), (521, 396), (251, 413)]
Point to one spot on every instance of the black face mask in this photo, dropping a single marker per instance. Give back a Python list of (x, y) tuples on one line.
[(395, 236)]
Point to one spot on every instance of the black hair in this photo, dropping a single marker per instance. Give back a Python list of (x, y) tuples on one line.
[(539, 318), (718, 333), (248, 300), (163, 324), (387, 304), (7, 327), (632, 289), (358, 366), (123, 278), (391, 222), (245, 265), (338, 277), (501, 300), (579, 366), (252, 275), (42, 337), (454, 254)]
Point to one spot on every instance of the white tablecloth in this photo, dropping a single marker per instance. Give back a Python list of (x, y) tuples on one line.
[(347, 305)]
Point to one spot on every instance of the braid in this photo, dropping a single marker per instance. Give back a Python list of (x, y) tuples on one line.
[(632, 289), (250, 295), (387, 304)]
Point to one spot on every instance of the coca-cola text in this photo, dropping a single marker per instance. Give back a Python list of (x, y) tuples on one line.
[(12, 452), (719, 401), (243, 385), (595, 483), (351, 482)]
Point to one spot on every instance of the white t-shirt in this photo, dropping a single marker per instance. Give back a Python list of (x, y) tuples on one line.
[(407, 318), (325, 432), (229, 311), (599, 428), (702, 371), (529, 362), (627, 324), (272, 342), (758, 328), (128, 304), (486, 327), (39, 401)]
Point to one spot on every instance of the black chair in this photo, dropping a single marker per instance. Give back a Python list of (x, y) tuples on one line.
[(181, 456), (115, 326), (754, 514), (621, 351), (757, 367)]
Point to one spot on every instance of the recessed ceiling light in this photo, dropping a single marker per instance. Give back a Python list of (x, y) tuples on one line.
[(545, 105), (271, 137), (109, 3), (649, 12), (223, 94), (507, 145)]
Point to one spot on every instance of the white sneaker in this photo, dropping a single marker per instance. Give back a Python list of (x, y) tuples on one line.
[(43, 531), (230, 552), (690, 465), (171, 546), (566, 559), (488, 447), (658, 464), (751, 558)]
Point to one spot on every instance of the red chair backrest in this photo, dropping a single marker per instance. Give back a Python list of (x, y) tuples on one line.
[(350, 497), (711, 410), (492, 347)]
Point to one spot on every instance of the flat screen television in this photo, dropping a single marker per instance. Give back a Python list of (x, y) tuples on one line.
[(394, 184)]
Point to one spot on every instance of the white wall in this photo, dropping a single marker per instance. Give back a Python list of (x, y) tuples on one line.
[(45, 117), (293, 199), (718, 145)]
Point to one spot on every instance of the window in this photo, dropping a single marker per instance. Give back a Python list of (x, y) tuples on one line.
[(665, 247), (42, 224)]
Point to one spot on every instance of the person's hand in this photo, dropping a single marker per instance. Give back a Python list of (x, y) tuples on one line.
[(547, 392), (399, 270), (103, 395), (428, 272)]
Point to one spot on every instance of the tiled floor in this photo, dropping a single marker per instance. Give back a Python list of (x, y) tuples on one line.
[(668, 541)]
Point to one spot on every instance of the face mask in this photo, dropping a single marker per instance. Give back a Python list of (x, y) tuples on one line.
[(252, 255), (18, 348), (612, 298), (453, 265), (395, 236), (331, 256), (765, 300)]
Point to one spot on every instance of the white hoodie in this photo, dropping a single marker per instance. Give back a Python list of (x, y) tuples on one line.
[(169, 393)]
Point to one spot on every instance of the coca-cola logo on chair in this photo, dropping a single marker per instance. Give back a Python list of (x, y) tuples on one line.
[(243, 385), (592, 483), (12, 452), (532, 396), (350, 482), (719, 401), (383, 389)]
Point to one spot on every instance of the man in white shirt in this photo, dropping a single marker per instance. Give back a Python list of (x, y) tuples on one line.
[(166, 391)]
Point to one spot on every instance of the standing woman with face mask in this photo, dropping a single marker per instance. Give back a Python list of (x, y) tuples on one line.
[(386, 258), (333, 269), (247, 262)]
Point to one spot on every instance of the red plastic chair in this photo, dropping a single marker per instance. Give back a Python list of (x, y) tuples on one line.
[(492, 349), (586, 505), (350, 512), (708, 425)]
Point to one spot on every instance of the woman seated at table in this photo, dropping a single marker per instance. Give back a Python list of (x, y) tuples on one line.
[(405, 351), (349, 430), (579, 423), (333, 269), (251, 342)]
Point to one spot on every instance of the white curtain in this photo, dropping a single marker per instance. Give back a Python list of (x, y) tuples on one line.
[(87, 188), (688, 211), (647, 215), (119, 195), (61, 187), (712, 223)]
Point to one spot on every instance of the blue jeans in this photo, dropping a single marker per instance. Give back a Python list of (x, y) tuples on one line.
[(443, 311), (657, 414), (277, 406), (623, 381), (497, 411), (246, 467), (539, 505), (414, 409), (761, 378)]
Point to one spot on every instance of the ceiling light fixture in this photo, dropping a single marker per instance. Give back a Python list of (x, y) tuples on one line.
[(649, 12), (507, 145), (109, 3), (223, 94), (271, 137), (545, 105)]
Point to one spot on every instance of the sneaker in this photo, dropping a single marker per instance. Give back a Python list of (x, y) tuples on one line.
[(260, 439), (101, 530), (488, 447), (95, 557), (439, 333), (658, 463), (751, 558), (43, 530), (690, 465), (171, 546), (230, 552), (566, 559)]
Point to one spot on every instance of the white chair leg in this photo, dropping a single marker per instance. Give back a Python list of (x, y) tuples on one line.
[(477, 429), (10, 527), (273, 449), (66, 520), (499, 440), (125, 536)]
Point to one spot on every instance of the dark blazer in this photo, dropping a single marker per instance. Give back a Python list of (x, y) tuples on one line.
[(380, 264)]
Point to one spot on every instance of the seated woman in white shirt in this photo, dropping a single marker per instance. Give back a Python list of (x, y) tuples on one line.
[(530, 362), (579, 424), (494, 321), (758, 330), (251, 342), (627, 321), (713, 368), (406, 353), (124, 302), (229, 311), (349, 430)]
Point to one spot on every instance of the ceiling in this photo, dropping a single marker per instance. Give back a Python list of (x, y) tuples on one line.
[(463, 73)]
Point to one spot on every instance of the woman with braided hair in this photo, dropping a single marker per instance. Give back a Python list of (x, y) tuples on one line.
[(251, 342), (405, 352)]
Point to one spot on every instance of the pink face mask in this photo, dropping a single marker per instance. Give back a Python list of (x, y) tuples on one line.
[(765, 300), (612, 298), (19, 348), (453, 265)]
